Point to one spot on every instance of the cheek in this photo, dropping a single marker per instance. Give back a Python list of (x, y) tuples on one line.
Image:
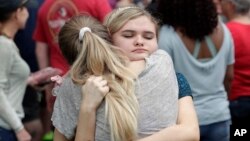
[(153, 47), (122, 44)]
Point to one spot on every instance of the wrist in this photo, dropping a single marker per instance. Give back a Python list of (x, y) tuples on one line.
[(88, 108), (18, 129)]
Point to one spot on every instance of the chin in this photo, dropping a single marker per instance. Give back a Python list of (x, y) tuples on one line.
[(22, 26), (138, 58)]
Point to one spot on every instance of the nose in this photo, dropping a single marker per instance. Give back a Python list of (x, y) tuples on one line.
[(139, 42)]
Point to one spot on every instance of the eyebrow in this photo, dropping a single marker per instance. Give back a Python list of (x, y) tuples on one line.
[(147, 32)]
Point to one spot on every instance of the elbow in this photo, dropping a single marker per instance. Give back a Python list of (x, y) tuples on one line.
[(194, 133)]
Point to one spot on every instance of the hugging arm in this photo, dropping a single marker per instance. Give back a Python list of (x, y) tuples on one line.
[(187, 125), (93, 93)]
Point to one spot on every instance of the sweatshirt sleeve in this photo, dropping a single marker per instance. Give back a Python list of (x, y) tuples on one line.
[(8, 114)]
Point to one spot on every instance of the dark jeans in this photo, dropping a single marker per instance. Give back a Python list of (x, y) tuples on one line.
[(219, 131), (240, 112), (7, 135)]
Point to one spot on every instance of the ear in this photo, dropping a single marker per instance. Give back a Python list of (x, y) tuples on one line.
[(16, 13)]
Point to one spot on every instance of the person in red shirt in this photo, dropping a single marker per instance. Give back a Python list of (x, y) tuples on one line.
[(237, 13), (51, 17)]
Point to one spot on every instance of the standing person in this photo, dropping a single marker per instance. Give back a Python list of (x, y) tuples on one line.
[(186, 126), (14, 71), (202, 50), (51, 17), (237, 13)]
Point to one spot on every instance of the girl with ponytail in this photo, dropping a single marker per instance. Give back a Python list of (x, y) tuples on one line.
[(95, 62)]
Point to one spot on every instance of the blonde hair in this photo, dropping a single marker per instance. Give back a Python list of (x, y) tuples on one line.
[(120, 16), (94, 55)]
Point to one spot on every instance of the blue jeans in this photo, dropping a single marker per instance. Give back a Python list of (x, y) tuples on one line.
[(219, 131), (240, 112), (7, 135)]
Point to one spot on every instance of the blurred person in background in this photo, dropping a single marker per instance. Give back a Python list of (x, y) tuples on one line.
[(202, 50), (237, 15), (14, 72)]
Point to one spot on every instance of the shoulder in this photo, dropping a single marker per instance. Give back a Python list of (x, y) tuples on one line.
[(167, 37), (235, 29), (232, 25), (160, 55), (6, 46), (5, 41), (166, 31), (167, 28), (66, 89), (225, 30), (159, 62)]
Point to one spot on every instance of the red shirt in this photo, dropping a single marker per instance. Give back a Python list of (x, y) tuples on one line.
[(241, 82), (52, 16)]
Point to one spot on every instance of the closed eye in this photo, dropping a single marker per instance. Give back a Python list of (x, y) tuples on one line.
[(149, 35)]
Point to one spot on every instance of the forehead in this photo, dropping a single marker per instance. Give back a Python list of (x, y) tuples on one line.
[(142, 23)]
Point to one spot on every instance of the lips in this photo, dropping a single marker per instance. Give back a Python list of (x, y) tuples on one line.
[(139, 50)]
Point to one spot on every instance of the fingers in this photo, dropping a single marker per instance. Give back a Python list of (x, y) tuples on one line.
[(100, 83), (105, 90), (98, 80), (57, 79)]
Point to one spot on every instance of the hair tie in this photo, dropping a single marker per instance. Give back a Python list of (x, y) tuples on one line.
[(82, 31)]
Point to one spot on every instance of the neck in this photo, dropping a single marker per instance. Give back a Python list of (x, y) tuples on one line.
[(8, 30), (137, 66), (245, 19)]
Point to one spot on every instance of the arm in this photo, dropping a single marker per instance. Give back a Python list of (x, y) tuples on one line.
[(58, 136), (7, 112), (42, 54), (93, 93), (86, 124), (187, 126), (9, 115), (230, 64), (228, 78)]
